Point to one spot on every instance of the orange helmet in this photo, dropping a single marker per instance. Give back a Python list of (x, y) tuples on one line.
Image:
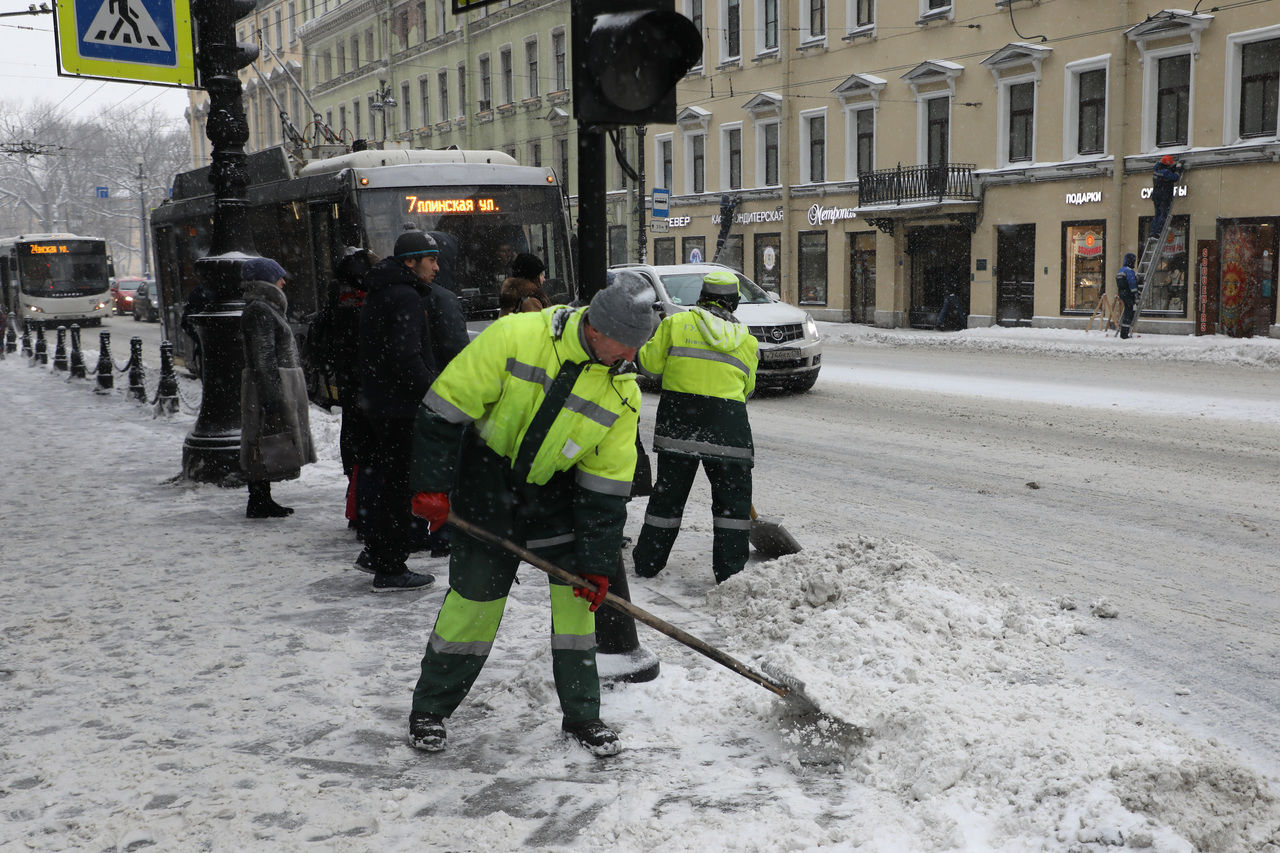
[(1166, 160)]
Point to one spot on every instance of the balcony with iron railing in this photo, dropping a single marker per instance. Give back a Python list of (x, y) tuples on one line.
[(917, 184)]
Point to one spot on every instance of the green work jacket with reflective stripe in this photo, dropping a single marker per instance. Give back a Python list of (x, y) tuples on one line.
[(707, 366), (498, 382)]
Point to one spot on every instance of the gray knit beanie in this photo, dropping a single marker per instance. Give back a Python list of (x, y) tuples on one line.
[(624, 311)]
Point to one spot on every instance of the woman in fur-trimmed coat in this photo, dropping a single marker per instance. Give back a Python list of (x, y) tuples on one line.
[(273, 391)]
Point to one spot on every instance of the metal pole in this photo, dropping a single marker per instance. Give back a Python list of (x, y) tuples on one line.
[(142, 219), (211, 451), (642, 232), (593, 232)]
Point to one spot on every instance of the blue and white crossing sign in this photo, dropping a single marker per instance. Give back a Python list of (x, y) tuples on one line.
[(148, 41)]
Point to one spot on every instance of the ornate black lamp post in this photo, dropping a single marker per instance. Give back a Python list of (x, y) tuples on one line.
[(211, 452)]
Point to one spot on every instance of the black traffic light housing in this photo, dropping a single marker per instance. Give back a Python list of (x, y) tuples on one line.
[(628, 56), (215, 36)]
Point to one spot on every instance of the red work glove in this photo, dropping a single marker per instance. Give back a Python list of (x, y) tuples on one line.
[(433, 506), (596, 598)]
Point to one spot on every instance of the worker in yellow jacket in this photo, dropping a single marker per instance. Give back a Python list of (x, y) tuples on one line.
[(707, 362), (530, 432)]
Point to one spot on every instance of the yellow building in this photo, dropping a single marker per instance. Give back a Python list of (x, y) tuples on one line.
[(885, 152)]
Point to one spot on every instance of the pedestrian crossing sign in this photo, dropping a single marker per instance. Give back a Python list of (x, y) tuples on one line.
[(147, 41)]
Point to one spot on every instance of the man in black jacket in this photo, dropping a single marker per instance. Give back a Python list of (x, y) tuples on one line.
[(396, 367)]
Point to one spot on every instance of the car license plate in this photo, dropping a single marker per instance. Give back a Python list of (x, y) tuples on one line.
[(779, 354)]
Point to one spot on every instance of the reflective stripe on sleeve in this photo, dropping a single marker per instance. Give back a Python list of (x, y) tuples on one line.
[(709, 355), (529, 373), (590, 410), (448, 411), (603, 485), (700, 448)]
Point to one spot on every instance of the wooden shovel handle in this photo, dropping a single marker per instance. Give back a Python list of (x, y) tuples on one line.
[(623, 605)]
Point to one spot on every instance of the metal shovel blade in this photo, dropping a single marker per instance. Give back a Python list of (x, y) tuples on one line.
[(770, 538)]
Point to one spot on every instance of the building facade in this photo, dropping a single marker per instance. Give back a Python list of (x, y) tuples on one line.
[(883, 153)]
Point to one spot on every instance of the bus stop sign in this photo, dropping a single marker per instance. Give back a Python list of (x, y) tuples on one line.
[(145, 41)]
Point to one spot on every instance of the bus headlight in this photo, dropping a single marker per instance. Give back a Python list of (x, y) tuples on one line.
[(36, 309), (100, 306)]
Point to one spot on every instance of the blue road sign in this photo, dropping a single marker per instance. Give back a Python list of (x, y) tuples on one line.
[(661, 203), (103, 192)]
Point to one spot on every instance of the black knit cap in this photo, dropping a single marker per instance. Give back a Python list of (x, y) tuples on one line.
[(527, 266), (412, 244)]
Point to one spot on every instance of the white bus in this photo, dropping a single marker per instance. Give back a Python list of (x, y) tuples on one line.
[(483, 204), (55, 279)]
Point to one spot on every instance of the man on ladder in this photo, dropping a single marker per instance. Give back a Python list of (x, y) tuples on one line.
[(1165, 175)]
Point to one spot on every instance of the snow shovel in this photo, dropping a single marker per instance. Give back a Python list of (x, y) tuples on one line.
[(784, 686), (770, 538)]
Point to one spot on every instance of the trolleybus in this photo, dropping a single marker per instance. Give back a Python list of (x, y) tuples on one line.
[(55, 279), (481, 205)]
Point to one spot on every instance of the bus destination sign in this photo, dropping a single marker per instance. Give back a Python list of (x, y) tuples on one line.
[(452, 205), (41, 249)]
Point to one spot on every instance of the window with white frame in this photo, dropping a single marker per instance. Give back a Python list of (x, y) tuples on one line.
[(562, 160), (442, 19), (695, 164), (767, 153), (813, 20), (1091, 111), (558, 55), (1252, 86), (934, 9), (694, 12), (663, 147), (462, 89), (532, 89), (1172, 100), (731, 156), (443, 80), (424, 98), (486, 84), (1018, 120), (406, 107), (508, 76), (813, 145), (292, 17), (731, 30), (937, 130), (863, 13), (862, 134), (535, 153), (767, 25)]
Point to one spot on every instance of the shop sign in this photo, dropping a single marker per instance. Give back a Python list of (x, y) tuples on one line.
[(1088, 245), (774, 215), (819, 215), (1084, 198), (678, 221), (770, 258), (1178, 191)]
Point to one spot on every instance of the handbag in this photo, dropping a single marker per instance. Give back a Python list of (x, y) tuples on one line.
[(279, 453)]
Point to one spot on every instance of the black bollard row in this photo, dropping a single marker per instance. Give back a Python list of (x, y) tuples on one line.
[(137, 373), (42, 347), (27, 350), (167, 392), (77, 357), (10, 338), (60, 351), (105, 368)]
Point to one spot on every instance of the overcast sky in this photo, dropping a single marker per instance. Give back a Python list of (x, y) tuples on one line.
[(29, 71)]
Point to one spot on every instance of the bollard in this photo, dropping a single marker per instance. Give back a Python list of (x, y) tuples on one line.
[(619, 655), (137, 373), (77, 357), (10, 338), (167, 393), (60, 350), (105, 369), (42, 346), (27, 351)]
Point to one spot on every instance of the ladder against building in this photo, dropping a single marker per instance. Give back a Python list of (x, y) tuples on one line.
[(1152, 251)]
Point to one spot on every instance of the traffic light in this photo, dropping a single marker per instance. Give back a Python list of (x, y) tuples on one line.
[(628, 56)]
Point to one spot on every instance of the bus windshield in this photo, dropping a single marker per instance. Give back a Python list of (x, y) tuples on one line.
[(63, 268), (488, 226)]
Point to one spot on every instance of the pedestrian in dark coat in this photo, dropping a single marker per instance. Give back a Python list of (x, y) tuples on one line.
[(396, 367), (1127, 287), (275, 432)]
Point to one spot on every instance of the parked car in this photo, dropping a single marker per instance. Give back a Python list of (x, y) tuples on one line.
[(122, 293), (790, 347), (146, 302)]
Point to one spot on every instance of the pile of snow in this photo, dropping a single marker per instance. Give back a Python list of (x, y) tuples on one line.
[(972, 735), (1217, 349)]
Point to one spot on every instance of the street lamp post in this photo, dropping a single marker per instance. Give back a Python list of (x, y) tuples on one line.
[(142, 219), (383, 101)]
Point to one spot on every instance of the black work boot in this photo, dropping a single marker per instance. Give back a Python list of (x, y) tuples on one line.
[(426, 731), (261, 505), (599, 739)]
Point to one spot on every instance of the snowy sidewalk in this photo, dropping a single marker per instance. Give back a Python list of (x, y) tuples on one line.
[(176, 677)]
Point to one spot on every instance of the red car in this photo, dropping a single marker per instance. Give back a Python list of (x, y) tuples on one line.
[(122, 293)]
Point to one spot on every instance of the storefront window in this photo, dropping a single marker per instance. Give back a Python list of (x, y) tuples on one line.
[(1166, 292), (768, 263), (693, 249), (664, 250), (1084, 264), (813, 267)]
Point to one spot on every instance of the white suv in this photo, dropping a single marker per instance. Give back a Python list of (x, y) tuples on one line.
[(790, 348)]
